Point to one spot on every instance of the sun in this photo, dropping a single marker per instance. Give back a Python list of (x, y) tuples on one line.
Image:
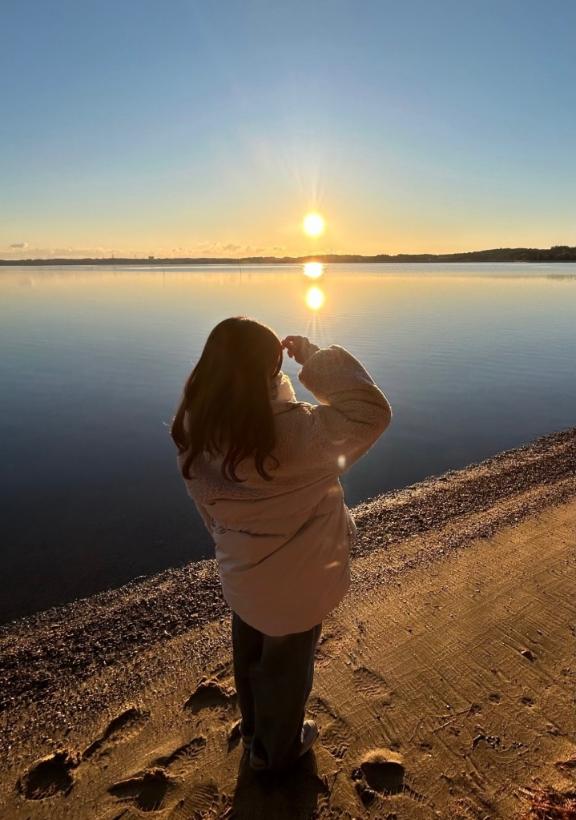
[(314, 224)]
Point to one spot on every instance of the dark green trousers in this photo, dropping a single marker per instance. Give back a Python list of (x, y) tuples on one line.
[(273, 677)]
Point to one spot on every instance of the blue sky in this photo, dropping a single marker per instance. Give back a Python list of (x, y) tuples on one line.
[(204, 128)]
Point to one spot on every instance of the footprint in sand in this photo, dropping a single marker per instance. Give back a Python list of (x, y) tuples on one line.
[(203, 800), (181, 757), (147, 791), (209, 694), (328, 645), (54, 774), (373, 685), (152, 789), (122, 728), (335, 734), (317, 706), (380, 772), (50, 776), (336, 737)]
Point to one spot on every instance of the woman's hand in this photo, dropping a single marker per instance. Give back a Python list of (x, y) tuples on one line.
[(299, 348)]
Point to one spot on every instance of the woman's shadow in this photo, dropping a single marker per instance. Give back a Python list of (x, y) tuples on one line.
[(290, 795)]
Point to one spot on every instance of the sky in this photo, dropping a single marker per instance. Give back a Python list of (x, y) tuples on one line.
[(194, 128)]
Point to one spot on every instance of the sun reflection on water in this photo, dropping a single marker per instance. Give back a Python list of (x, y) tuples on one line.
[(315, 297), (313, 270)]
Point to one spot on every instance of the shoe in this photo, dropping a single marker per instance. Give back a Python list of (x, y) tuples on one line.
[(308, 738)]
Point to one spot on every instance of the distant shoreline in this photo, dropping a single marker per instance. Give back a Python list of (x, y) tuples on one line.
[(558, 253)]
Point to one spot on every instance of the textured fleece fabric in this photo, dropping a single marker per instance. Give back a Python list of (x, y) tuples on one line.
[(282, 546)]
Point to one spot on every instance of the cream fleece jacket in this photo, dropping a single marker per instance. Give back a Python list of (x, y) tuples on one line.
[(282, 546)]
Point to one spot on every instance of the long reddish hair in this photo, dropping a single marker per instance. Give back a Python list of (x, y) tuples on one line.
[(225, 407)]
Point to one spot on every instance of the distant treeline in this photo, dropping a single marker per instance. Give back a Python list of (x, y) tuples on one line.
[(558, 253)]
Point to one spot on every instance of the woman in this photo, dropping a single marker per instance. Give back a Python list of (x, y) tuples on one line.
[(263, 470)]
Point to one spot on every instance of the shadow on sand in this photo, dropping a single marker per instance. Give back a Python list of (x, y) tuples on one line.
[(291, 795)]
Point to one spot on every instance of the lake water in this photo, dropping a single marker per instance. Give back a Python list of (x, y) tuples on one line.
[(473, 358)]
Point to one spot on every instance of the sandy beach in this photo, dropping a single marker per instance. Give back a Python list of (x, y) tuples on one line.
[(444, 682)]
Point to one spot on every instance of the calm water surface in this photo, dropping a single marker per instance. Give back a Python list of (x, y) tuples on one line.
[(474, 359)]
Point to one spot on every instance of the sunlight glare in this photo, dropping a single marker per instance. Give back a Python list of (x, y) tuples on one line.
[(313, 270), (314, 224), (315, 297)]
